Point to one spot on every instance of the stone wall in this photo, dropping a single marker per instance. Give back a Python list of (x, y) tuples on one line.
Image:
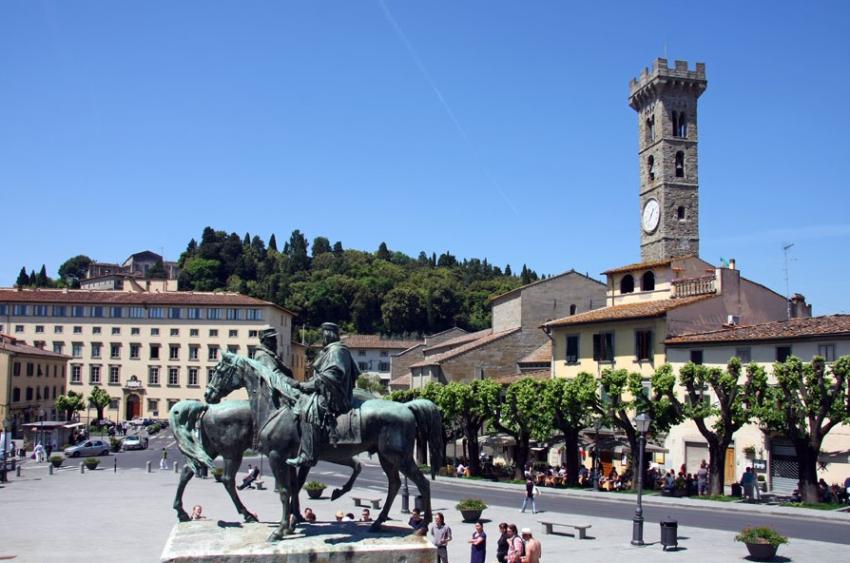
[(496, 359), (552, 298)]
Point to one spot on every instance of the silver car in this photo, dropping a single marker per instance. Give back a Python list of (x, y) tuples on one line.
[(88, 448), (134, 442)]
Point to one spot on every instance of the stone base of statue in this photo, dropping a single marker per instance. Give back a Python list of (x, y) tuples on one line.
[(347, 542)]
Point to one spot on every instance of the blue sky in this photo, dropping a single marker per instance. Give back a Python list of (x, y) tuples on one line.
[(489, 129)]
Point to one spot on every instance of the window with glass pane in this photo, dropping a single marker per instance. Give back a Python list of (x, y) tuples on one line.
[(603, 347), (153, 375), (173, 377), (572, 349), (114, 375), (193, 377)]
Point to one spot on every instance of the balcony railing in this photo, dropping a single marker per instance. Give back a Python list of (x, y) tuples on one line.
[(688, 287)]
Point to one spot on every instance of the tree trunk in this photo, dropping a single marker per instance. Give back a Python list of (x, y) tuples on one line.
[(716, 467), (807, 465), (470, 431), (521, 454), (571, 437)]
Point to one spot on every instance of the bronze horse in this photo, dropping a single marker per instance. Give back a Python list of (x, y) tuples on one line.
[(387, 428)]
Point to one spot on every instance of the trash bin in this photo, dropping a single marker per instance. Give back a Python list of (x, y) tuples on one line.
[(736, 490), (669, 534), (418, 503)]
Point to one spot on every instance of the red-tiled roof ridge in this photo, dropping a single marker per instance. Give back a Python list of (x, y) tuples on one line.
[(640, 309), (459, 340), (460, 350), (647, 264), (542, 353), (809, 327), (377, 341), (536, 282)]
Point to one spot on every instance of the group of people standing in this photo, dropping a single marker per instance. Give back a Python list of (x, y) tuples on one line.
[(512, 546)]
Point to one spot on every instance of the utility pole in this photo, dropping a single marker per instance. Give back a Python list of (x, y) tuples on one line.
[(785, 249)]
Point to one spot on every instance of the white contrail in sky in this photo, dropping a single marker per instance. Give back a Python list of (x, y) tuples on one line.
[(427, 76)]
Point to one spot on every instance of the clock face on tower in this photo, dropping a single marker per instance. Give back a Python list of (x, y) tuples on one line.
[(651, 215)]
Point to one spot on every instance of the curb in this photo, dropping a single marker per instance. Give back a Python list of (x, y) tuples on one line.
[(631, 499)]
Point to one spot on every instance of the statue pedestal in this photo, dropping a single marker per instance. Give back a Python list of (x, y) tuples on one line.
[(324, 542)]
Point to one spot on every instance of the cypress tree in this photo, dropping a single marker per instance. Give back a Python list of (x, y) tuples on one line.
[(23, 279), (273, 243)]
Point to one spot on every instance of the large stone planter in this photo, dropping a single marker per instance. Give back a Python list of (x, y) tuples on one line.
[(762, 551), (471, 515), (315, 493)]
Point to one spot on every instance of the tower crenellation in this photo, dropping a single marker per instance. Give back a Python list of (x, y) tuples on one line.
[(665, 99)]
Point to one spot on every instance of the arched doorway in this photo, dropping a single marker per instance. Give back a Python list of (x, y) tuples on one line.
[(134, 406)]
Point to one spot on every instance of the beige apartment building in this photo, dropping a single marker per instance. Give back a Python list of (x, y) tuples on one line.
[(148, 350), (30, 381)]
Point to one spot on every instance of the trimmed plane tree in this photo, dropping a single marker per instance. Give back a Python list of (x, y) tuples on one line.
[(809, 400), (99, 400), (70, 404), (718, 420), (520, 414), (469, 406), (571, 403), (625, 394)]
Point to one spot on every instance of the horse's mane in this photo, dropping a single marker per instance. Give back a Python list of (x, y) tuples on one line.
[(280, 385)]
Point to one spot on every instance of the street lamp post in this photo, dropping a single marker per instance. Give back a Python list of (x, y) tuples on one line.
[(642, 422), (595, 474), (405, 498)]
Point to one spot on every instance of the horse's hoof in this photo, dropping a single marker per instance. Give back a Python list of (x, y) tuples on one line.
[(336, 494), (275, 536), (183, 517)]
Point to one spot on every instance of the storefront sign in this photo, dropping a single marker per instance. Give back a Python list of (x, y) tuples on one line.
[(760, 464)]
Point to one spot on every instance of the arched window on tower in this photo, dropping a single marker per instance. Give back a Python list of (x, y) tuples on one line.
[(650, 167), (680, 212), (627, 284), (680, 124), (647, 281), (680, 164), (650, 129)]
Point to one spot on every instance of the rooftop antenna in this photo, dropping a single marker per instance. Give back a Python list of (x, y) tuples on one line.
[(785, 249)]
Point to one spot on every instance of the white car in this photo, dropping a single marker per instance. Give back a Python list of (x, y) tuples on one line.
[(134, 442)]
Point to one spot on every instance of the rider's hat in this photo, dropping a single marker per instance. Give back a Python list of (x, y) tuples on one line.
[(330, 326), (268, 331)]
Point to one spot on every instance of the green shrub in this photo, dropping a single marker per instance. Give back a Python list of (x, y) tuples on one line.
[(761, 535), (154, 428), (315, 486), (471, 504), (56, 460), (115, 444), (91, 462)]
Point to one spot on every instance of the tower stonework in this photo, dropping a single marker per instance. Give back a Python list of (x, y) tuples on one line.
[(665, 100)]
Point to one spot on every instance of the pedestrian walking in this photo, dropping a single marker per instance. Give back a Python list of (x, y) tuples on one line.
[(533, 549), (516, 547), (441, 535), (702, 479), (748, 483), (478, 544), (163, 460), (531, 491), (38, 453), (502, 544)]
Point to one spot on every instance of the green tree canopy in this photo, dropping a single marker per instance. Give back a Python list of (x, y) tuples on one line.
[(74, 269), (99, 399), (572, 404), (520, 415)]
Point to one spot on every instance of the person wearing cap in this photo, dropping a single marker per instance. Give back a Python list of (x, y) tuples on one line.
[(330, 394), (533, 549), (266, 353)]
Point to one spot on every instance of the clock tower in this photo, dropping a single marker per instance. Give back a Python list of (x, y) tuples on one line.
[(665, 100)]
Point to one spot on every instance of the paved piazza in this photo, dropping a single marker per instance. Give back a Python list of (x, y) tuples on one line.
[(128, 515)]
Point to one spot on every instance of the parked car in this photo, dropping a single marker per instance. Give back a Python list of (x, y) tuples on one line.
[(134, 442), (88, 448)]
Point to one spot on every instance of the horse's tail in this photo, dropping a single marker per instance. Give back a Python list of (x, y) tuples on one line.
[(186, 419), (430, 422)]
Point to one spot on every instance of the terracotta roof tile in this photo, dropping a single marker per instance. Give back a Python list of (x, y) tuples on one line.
[(175, 298), (454, 352), (540, 355), (627, 311), (402, 380), (10, 344), (831, 325), (458, 340), (377, 341), (643, 265)]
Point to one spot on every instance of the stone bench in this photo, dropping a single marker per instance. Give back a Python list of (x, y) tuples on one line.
[(376, 502), (580, 528), (259, 485)]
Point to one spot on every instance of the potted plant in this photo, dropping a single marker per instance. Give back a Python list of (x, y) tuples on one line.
[(762, 543), (750, 452), (115, 445), (56, 460), (91, 463), (762, 483), (217, 473), (315, 489), (471, 509)]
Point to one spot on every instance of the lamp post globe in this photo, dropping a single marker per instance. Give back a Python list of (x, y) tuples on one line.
[(642, 423)]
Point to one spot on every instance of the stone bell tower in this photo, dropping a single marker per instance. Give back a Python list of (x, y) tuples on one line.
[(665, 100)]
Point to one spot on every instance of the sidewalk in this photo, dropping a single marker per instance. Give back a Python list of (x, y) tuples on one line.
[(660, 501), (127, 516)]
